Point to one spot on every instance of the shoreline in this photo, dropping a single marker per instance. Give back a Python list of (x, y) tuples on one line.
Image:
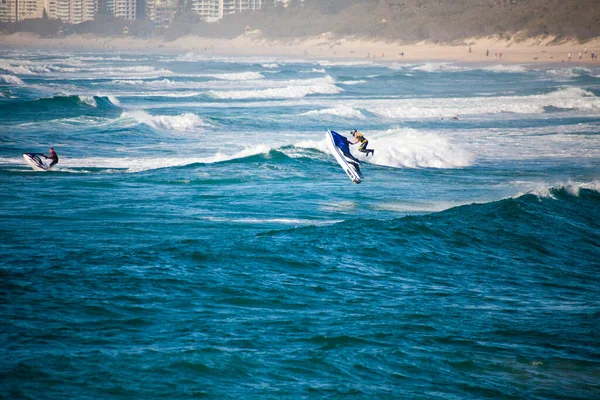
[(536, 51)]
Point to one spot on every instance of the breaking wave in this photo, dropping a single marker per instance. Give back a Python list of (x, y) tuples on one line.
[(11, 80), (297, 89), (340, 111), (180, 123), (566, 98), (407, 148)]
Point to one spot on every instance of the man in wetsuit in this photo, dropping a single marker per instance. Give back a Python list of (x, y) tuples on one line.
[(359, 138), (52, 156)]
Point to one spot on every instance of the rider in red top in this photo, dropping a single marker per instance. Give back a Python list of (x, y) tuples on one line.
[(53, 156)]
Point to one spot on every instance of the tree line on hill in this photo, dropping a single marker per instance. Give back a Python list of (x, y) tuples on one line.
[(442, 21)]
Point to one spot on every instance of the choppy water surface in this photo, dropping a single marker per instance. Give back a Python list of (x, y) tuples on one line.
[(197, 238)]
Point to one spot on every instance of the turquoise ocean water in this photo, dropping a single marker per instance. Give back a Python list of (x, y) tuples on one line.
[(198, 239)]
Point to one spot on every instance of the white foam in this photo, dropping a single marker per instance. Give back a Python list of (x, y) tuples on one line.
[(568, 98), (544, 190), (181, 123), (326, 63), (114, 100), (11, 80), (297, 89), (504, 68), (341, 111), (22, 69), (438, 67), (320, 145), (220, 85), (239, 76), (567, 73), (410, 148), (284, 221), (89, 100), (357, 82), (405, 148)]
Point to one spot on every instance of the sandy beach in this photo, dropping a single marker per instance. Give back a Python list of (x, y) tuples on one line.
[(489, 49)]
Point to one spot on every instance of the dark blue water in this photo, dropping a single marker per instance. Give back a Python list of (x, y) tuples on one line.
[(198, 239)]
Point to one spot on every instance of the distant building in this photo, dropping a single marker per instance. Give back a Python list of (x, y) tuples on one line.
[(106, 7), (164, 13), (8, 10), (287, 3), (18, 10), (50, 7), (27, 9), (75, 11), (208, 9), (125, 9), (216, 9), (149, 9), (233, 6)]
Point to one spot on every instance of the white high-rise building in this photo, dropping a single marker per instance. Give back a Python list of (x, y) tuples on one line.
[(150, 9), (18, 10), (125, 9), (76, 11), (208, 9), (216, 9), (30, 9), (50, 7), (8, 10)]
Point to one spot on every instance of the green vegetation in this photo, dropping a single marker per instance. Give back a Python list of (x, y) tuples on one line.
[(408, 20), (435, 20)]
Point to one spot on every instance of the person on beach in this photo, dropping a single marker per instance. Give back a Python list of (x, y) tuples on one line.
[(359, 138), (52, 156)]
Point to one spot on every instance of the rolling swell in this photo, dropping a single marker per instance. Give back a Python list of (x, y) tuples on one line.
[(531, 229), (65, 106)]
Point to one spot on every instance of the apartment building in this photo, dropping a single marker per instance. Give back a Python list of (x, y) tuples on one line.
[(208, 9), (75, 11), (8, 10), (232, 6), (164, 12), (50, 7), (29, 9), (18, 10), (216, 9), (125, 9)]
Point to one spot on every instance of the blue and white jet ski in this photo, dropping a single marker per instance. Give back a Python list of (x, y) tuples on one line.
[(340, 147)]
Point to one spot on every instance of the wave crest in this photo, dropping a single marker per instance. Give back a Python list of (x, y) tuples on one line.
[(341, 111), (11, 80), (564, 98), (296, 89), (409, 148), (180, 123)]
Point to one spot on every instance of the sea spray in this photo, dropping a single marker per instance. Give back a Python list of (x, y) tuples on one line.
[(181, 123)]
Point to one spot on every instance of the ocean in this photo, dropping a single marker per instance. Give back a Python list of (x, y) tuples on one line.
[(198, 239)]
